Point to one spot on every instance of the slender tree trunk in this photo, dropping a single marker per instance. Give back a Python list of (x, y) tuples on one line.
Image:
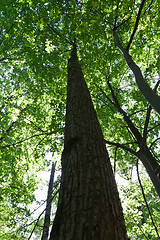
[(46, 225), (149, 94), (144, 154), (89, 207), (151, 166)]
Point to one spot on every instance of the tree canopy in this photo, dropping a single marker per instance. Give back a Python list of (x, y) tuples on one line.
[(115, 40)]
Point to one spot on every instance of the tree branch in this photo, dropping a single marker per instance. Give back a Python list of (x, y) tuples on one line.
[(145, 131), (148, 7), (144, 197), (156, 86), (41, 204), (106, 104), (35, 125), (41, 215), (131, 126), (154, 142), (115, 159), (60, 35), (7, 32), (118, 145), (148, 93), (38, 145), (126, 20), (136, 24), (157, 125), (105, 94), (128, 125), (26, 139), (142, 110), (12, 124)]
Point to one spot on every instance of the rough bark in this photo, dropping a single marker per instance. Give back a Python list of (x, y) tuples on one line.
[(89, 207), (46, 225)]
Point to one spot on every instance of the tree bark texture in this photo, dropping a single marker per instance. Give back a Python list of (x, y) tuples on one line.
[(89, 207), (48, 205)]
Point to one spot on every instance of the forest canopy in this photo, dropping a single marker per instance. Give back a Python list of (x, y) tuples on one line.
[(119, 51)]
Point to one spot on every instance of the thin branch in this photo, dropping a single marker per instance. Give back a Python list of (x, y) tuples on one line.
[(130, 133), (26, 139), (122, 146), (145, 132), (11, 25), (155, 156), (106, 104), (126, 20), (41, 215), (150, 5), (94, 12), (116, 17), (157, 125), (12, 124), (136, 24), (2, 59), (35, 125), (115, 159), (9, 56), (128, 128), (38, 145), (142, 231), (142, 110), (41, 204), (154, 142), (8, 32), (144, 197), (157, 85), (133, 129), (113, 95), (24, 226), (60, 35), (105, 94)]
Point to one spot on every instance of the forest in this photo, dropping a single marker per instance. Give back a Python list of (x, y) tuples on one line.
[(79, 119)]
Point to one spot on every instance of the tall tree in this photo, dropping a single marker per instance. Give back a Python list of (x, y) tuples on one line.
[(89, 205), (33, 56)]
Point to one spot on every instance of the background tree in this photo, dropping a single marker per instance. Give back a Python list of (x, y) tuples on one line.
[(47, 219)]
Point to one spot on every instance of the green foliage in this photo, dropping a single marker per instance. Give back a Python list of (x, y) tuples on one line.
[(35, 44), (137, 218)]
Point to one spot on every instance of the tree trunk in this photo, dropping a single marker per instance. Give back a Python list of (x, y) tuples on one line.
[(144, 154), (48, 206), (152, 167), (89, 207), (152, 98)]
